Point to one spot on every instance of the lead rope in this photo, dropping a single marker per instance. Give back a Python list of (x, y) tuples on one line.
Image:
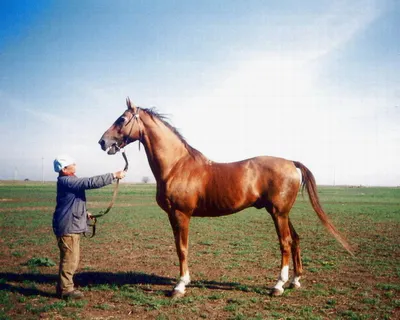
[(93, 220)]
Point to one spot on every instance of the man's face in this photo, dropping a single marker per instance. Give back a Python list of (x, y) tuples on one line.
[(71, 169)]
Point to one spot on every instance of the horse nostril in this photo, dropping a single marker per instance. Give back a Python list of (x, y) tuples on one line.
[(102, 144)]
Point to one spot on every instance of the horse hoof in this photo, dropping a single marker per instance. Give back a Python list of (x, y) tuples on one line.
[(276, 292), (294, 286), (177, 294)]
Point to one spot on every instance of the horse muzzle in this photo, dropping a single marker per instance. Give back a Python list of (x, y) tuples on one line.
[(111, 147)]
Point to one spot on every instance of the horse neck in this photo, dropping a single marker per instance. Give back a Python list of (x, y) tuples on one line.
[(163, 148)]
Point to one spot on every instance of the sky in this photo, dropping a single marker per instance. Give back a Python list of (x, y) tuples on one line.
[(311, 81)]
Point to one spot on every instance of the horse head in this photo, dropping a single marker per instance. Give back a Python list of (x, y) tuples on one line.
[(124, 130)]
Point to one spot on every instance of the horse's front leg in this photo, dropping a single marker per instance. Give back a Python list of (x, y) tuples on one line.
[(180, 226)]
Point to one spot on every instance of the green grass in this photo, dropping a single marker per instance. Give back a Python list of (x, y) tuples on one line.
[(127, 270)]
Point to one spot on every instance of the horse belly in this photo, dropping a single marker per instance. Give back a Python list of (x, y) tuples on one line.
[(222, 204), (213, 212)]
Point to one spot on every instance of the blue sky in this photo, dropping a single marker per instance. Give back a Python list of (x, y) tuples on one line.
[(313, 81)]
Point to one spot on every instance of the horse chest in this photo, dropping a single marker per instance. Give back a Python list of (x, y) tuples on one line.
[(183, 201)]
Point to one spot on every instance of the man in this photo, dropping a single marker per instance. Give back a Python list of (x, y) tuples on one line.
[(70, 219)]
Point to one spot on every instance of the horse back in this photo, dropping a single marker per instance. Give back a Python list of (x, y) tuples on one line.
[(257, 182)]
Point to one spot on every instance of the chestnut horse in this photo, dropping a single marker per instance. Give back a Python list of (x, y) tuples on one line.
[(189, 184)]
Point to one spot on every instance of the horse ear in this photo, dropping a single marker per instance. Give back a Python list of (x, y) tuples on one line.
[(128, 103)]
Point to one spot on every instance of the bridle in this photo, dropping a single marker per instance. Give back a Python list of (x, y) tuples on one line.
[(135, 118)]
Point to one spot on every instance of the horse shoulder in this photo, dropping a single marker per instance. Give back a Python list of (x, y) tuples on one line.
[(185, 184)]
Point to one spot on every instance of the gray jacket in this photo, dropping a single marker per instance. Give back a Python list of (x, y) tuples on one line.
[(70, 214)]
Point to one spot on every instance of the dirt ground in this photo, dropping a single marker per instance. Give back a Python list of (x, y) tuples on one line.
[(129, 269)]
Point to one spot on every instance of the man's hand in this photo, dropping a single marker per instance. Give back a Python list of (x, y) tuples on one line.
[(119, 174)]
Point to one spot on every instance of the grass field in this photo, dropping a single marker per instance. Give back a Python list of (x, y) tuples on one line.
[(127, 270)]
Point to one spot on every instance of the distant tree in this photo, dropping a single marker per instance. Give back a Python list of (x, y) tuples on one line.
[(145, 179)]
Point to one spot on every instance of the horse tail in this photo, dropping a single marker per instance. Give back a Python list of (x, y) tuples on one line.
[(308, 181)]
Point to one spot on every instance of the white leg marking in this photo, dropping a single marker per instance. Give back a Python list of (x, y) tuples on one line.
[(183, 282), (283, 278), (296, 282)]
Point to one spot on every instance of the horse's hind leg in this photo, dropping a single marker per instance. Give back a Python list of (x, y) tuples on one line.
[(281, 221), (180, 226), (297, 265)]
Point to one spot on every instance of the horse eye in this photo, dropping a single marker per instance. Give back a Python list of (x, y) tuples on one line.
[(120, 121)]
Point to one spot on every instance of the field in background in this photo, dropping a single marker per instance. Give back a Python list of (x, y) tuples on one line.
[(127, 270)]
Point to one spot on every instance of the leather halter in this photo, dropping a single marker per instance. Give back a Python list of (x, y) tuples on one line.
[(135, 118)]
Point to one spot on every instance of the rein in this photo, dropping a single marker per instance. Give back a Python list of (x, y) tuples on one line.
[(93, 219)]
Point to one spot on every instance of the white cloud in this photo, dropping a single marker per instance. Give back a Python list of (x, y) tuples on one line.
[(343, 21), (272, 103)]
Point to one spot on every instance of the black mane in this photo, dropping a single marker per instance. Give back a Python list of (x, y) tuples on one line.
[(163, 118)]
